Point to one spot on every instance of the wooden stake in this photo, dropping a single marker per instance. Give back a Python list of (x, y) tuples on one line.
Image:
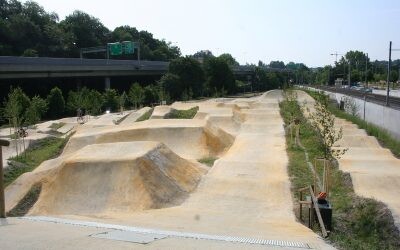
[(2, 199)]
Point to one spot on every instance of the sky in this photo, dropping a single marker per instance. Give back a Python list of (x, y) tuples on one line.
[(306, 31)]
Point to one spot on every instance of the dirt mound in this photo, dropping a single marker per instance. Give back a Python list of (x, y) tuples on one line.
[(118, 177), (191, 139)]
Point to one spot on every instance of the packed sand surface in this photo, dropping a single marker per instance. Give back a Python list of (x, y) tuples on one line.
[(145, 174), (129, 176), (374, 171)]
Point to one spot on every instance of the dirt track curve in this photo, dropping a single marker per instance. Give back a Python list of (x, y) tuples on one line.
[(246, 192)]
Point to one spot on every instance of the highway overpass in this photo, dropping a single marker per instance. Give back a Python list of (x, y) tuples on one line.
[(44, 67)]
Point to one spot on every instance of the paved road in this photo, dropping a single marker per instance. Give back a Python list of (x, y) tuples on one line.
[(394, 102)]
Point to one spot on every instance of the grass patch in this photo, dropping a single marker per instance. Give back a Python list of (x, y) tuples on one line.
[(145, 116), (26, 203), (56, 125), (182, 114), (358, 223), (209, 161), (41, 151), (383, 136), (121, 119)]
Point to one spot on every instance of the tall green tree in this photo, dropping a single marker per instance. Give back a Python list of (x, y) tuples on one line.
[(220, 77), (36, 110), (172, 85), (190, 73), (56, 103), (136, 95), (111, 100)]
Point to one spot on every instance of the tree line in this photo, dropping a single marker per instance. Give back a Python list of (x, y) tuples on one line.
[(26, 29), (360, 67)]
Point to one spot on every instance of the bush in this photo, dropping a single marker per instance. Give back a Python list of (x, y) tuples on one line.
[(182, 114), (56, 103), (145, 116)]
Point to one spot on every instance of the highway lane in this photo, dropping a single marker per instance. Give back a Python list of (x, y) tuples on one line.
[(394, 102)]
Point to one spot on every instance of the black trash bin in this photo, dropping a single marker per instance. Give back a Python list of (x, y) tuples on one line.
[(325, 209), (341, 105)]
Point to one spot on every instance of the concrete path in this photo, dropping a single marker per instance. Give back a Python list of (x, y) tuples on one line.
[(374, 171)]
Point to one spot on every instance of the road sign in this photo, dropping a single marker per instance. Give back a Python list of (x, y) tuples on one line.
[(128, 47), (115, 49)]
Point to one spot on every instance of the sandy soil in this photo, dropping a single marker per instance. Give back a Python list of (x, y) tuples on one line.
[(246, 192)]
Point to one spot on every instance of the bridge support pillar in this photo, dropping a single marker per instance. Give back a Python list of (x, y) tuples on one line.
[(107, 83), (78, 84)]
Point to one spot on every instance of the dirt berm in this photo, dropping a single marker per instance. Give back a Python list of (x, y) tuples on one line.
[(129, 176)]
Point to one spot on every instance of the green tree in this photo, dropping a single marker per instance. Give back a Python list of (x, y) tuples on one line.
[(136, 95), (220, 77), (190, 73), (151, 95), (123, 101), (36, 110), (277, 65), (56, 103), (87, 30), (15, 107), (111, 100), (229, 59), (172, 85)]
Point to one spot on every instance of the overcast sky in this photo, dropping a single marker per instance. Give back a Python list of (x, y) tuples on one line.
[(305, 31)]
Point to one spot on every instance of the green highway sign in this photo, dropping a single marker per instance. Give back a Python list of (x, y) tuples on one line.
[(128, 47), (115, 49)]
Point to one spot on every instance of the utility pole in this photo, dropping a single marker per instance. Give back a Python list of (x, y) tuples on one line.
[(388, 73), (349, 75), (336, 55), (366, 70)]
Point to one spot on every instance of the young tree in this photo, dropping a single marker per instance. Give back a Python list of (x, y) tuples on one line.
[(323, 121), (111, 100), (123, 100), (150, 94), (14, 110), (16, 106), (56, 103), (38, 107), (94, 102), (136, 95)]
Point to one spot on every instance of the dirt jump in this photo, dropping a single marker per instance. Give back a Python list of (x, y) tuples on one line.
[(147, 173)]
